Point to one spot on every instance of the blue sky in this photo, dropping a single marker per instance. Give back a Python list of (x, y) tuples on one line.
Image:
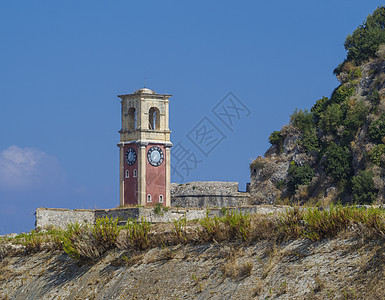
[(64, 62)]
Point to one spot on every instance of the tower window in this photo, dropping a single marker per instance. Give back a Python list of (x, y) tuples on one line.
[(149, 198), (127, 174), (132, 118), (154, 118), (160, 198), (135, 173)]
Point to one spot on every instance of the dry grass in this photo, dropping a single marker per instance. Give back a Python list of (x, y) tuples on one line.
[(90, 242)]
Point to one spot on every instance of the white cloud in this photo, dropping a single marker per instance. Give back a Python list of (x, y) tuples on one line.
[(28, 168)]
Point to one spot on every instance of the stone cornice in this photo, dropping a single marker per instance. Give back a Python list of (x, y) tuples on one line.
[(145, 143)]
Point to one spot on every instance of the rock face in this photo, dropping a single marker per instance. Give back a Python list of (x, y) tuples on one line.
[(333, 269), (353, 108), (266, 173)]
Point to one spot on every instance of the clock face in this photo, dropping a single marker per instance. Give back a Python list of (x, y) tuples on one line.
[(155, 156), (130, 156)]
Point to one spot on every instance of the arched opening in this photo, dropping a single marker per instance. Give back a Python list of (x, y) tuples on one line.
[(132, 118), (154, 118)]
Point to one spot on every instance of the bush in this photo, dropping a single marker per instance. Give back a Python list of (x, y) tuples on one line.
[(239, 224), (356, 116), (33, 242), (366, 39), (363, 187), (298, 175), (275, 138), (331, 118), (309, 141), (106, 231), (135, 235), (342, 93), (377, 129), (212, 228), (337, 162), (319, 107), (374, 97), (180, 229), (302, 119), (80, 243), (158, 209), (376, 155)]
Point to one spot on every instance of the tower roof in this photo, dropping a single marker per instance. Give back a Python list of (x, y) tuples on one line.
[(145, 91)]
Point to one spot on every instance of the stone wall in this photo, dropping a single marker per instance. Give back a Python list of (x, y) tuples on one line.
[(56, 217), (188, 200), (207, 194)]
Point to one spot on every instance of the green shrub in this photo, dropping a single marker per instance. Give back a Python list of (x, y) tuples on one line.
[(309, 141), (290, 222), (180, 229), (302, 119), (298, 175), (376, 155), (239, 224), (158, 209), (356, 116), (319, 107), (337, 162), (212, 228), (363, 187), (106, 231), (331, 118), (327, 223), (366, 39), (80, 243), (136, 234), (342, 93), (374, 97), (275, 137), (33, 242), (377, 129)]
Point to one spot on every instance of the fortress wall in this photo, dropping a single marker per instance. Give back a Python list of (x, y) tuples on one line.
[(48, 217), (58, 217), (207, 194), (189, 200)]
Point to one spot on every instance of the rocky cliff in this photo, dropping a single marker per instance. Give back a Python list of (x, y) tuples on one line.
[(341, 268), (336, 150)]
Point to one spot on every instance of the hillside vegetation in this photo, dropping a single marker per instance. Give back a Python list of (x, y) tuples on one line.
[(336, 150)]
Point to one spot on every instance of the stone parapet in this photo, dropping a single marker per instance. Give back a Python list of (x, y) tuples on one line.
[(207, 194), (60, 218)]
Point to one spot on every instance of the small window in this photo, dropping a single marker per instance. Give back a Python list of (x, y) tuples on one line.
[(254, 170), (160, 198), (135, 173), (127, 174), (149, 198)]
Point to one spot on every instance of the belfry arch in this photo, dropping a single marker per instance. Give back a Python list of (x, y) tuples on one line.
[(131, 118), (154, 118)]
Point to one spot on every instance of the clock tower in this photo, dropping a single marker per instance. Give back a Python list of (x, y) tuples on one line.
[(145, 149)]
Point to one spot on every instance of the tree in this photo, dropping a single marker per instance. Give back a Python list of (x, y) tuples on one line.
[(298, 175), (331, 118), (337, 162), (365, 40), (363, 187), (377, 129)]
